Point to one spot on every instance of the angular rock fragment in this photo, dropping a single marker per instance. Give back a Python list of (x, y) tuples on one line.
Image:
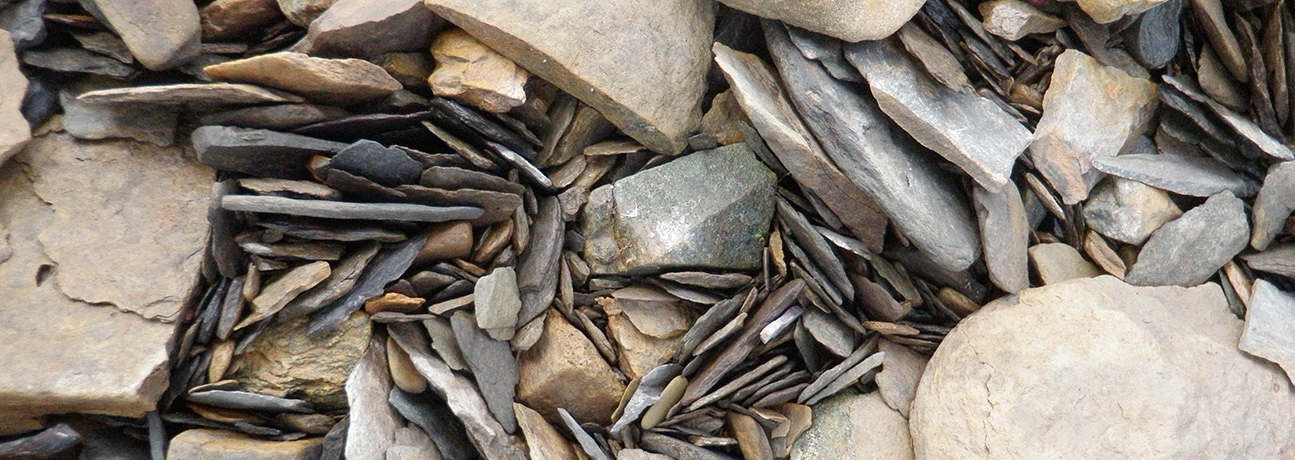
[(497, 303), (284, 361), (1267, 333), (276, 295), (901, 371), (78, 60), (849, 20), (564, 370), (236, 19), (1057, 262), (583, 47), (243, 400), (433, 415), (373, 422), (361, 28), (1274, 204), (1188, 250), (1191, 176), (303, 12), (1210, 17), (25, 22), (1089, 111), (102, 121), (1108, 11), (707, 209), (934, 57), (343, 210), (275, 117), (468, 70), (1128, 210), (161, 34), (1177, 376), (385, 165), (189, 93), (1014, 19), (855, 426), (212, 443), (1005, 236), (1153, 40), (542, 439), (259, 152), (493, 365), (327, 81)]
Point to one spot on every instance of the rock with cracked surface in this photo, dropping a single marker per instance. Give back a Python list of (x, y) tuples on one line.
[(1270, 316), (327, 81), (1014, 19), (161, 34), (1147, 372), (708, 209), (1275, 202), (469, 71), (14, 130), (1005, 235), (1188, 250), (1090, 110), (849, 20), (1128, 210), (105, 243), (284, 361), (857, 427)]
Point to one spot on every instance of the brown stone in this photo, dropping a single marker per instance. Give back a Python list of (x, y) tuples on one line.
[(328, 81), (284, 361), (363, 28), (470, 71), (212, 443), (393, 301), (161, 34), (236, 19), (542, 439), (1057, 262), (450, 240), (564, 370), (14, 131), (276, 295)]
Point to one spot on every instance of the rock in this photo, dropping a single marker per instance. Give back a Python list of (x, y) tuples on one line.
[(718, 202), (48, 443), (275, 117), (373, 422), (284, 361), (1249, 131), (749, 435), (1014, 19), (493, 366), (102, 121), (1128, 210), (161, 34), (342, 210), (1188, 250), (849, 20), (542, 439), (677, 449), (855, 426), (259, 152), (25, 22), (236, 19), (213, 443), (276, 295), (901, 371), (385, 165), (303, 12), (1108, 11), (302, 188), (639, 454), (1210, 17), (638, 352), (1151, 40), (1155, 371), (104, 245), (1267, 329), (451, 240), (388, 266), (1215, 81), (411, 443), (1089, 111), (468, 70), (1005, 236), (15, 132), (564, 370), (582, 48), (1278, 260), (79, 61), (105, 43), (362, 29), (1191, 176), (433, 415), (248, 401), (1274, 204), (1057, 262), (537, 266), (327, 81), (497, 303), (875, 155), (188, 94)]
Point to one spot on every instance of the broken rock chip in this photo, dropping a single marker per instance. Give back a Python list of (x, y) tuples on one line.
[(1014, 19), (1188, 250), (1274, 204), (327, 81), (1191, 176), (213, 443), (1108, 11), (1057, 262), (708, 209), (104, 246), (363, 28), (583, 47), (1147, 372), (1090, 110), (855, 426), (14, 130), (849, 20), (468, 70), (284, 361), (1269, 319), (1005, 235), (497, 303), (1128, 210), (161, 34), (563, 369)]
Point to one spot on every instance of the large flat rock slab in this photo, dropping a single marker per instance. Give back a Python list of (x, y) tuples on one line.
[(642, 66), (105, 241), (14, 132)]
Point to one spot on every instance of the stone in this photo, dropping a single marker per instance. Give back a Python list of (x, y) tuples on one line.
[(303, 12), (1210, 17), (759, 93), (964, 128), (214, 443), (79, 61), (393, 302), (327, 81), (103, 121), (901, 372), (278, 293), (25, 22), (583, 49), (410, 69), (855, 426), (1005, 236), (344, 210), (104, 247), (849, 20), (16, 133), (1215, 81), (340, 280), (638, 352), (385, 165), (497, 303), (717, 203), (752, 440), (1147, 372), (161, 34), (563, 369), (1267, 326), (451, 240), (639, 454), (431, 413), (1188, 250), (105, 43), (388, 266), (469, 71), (1014, 19), (259, 152), (188, 94), (275, 117), (48, 443), (1275, 202), (1183, 175), (1108, 11), (677, 449), (372, 421), (1089, 111), (286, 187), (248, 401), (587, 443), (236, 19), (493, 366), (284, 361), (411, 443), (1128, 210), (1249, 131), (1057, 262), (1152, 40), (542, 440), (537, 266), (360, 28), (934, 57)]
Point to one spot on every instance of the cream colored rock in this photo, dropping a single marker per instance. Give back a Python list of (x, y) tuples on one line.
[(1057, 262), (223, 444), (854, 426), (564, 370), (1107, 11), (849, 20), (1096, 368), (542, 440), (14, 131), (284, 361), (470, 71), (1014, 19), (1128, 210), (327, 81)]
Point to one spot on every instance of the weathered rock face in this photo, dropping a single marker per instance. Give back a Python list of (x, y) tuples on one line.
[(161, 34), (329, 81), (1014, 19), (1128, 210), (104, 245), (1107, 11), (1090, 110), (284, 361), (209, 443), (1145, 372), (232, 19), (1274, 204), (1188, 250), (14, 132), (364, 28), (849, 20), (855, 426), (564, 370), (583, 46), (1268, 326), (708, 209), (468, 70)]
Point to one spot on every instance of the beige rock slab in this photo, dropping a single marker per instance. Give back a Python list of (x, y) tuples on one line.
[(228, 445), (563, 369), (849, 20), (901, 370), (14, 131), (1057, 262), (855, 426), (637, 352), (103, 248), (161, 34), (328, 81), (470, 71), (283, 361), (643, 67)]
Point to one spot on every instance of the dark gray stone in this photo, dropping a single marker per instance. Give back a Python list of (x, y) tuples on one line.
[(431, 414), (1153, 39), (283, 116), (384, 165), (1191, 176), (259, 152), (492, 364), (386, 267), (363, 28), (242, 400), (25, 22), (79, 61), (1188, 250)]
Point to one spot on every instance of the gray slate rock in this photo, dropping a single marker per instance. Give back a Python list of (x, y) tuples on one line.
[(160, 33), (708, 209), (1240, 123), (537, 266), (1128, 210), (79, 61), (1005, 234), (430, 413), (345, 210), (259, 152), (25, 22), (1270, 326), (386, 267), (372, 421), (497, 303), (493, 365), (1274, 204), (365, 28), (242, 400), (1279, 260), (283, 116), (1191, 176), (384, 165), (155, 125), (964, 128), (826, 50), (1187, 251), (190, 94)]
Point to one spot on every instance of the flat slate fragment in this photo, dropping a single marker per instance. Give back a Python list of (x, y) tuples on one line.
[(386, 267), (1188, 250), (243, 400), (1279, 260), (1274, 204), (189, 93), (346, 210), (1005, 235), (493, 366), (259, 152), (1191, 176), (385, 165), (1268, 332)]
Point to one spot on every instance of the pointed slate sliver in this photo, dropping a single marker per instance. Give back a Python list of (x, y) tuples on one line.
[(386, 267), (190, 93), (1191, 176), (1275, 202), (493, 366), (1188, 250), (1239, 123), (384, 165), (259, 152), (346, 210)]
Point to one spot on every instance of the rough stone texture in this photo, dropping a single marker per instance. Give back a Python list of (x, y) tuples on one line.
[(1269, 319), (362, 28), (328, 81), (236, 19), (1005, 235), (542, 439), (1090, 110), (468, 70), (1128, 210), (1107, 11), (104, 246), (708, 209), (303, 12), (24, 19), (161, 34), (372, 421), (964, 128), (188, 93), (102, 121), (1057, 262), (584, 47), (497, 303), (1140, 373), (1190, 176), (14, 131), (855, 426), (1210, 16), (563, 369), (1014, 19), (638, 352), (228, 445), (284, 361), (1190, 249), (1274, 204), (849, 20)]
